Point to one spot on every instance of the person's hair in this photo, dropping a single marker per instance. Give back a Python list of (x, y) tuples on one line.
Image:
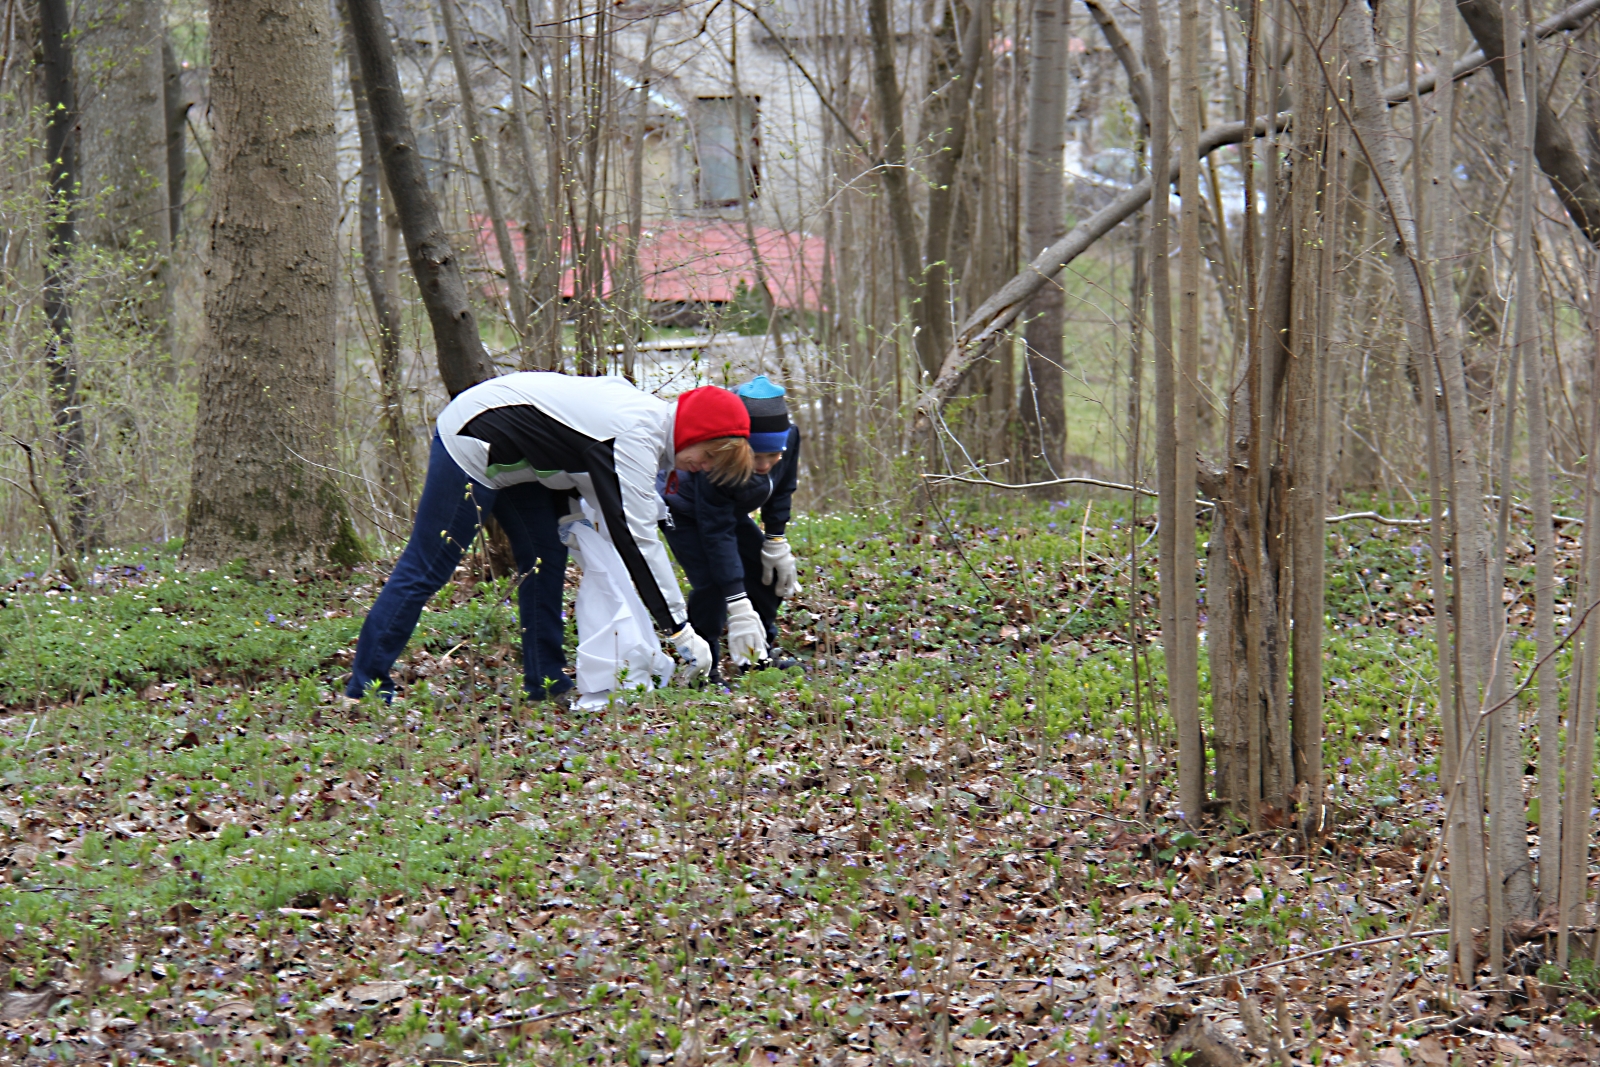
[(732, 462)]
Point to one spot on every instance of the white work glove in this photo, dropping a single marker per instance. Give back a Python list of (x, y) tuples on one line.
[(565, 528), (693, 648), (747, 638), (566, 525), (778, 562)]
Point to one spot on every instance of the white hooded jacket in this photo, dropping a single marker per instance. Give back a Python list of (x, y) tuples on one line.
[(600, 436)]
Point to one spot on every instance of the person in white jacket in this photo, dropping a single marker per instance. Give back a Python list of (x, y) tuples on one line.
[(518, 447)]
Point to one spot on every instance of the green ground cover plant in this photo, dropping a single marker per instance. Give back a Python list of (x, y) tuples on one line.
[(948, 839)]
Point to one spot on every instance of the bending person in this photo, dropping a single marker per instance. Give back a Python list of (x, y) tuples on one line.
[(739, 573), (517, 447)]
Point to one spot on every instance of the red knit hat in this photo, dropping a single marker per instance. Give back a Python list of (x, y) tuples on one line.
[(707, 413)]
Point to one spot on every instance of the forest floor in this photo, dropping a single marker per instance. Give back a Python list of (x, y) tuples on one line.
[(950, 840)]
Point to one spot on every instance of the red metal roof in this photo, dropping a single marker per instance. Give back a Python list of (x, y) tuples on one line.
[(699, 261)]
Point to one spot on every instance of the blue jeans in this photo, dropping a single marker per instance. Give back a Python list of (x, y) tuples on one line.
[(708, 607), (447, 521)]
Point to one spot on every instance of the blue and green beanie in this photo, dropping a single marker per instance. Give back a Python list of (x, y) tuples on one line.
[(769, 414)]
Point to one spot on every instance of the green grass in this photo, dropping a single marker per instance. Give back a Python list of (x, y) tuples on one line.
[(796, 866)]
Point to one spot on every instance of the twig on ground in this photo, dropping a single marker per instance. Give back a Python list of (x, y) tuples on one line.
[(1313, 955)]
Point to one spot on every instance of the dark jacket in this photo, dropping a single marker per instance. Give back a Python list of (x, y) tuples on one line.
[(715, 511)]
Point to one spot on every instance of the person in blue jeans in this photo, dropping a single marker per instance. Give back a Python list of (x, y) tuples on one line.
[(519, 447), (740, 573)]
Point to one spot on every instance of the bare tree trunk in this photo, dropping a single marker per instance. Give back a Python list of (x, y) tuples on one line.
[(632, 281), (263, 441), (1160, 319), (541, 234), (61, 154), (463, 361), (177, 104), (485, 163), (396, 460), (946, 164), (1522, 76), (896, 181), (1375, 142), (1314, 225), (1041, 399), (1576, 819), (123, 141), (1467, 862), (1183, 670)]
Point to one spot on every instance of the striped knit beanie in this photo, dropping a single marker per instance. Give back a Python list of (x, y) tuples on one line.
[(769, 414)]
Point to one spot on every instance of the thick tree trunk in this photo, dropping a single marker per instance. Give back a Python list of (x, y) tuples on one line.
[(381, 288), (61, 153), (122, 80), (1042, 398), (463, 361), (263, 448)]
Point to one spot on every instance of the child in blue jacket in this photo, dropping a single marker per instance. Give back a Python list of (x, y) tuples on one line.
[(740, 572)]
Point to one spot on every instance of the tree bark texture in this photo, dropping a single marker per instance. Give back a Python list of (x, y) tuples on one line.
[(381, 288), (463, 360), (1374, 141), (55, 75), (122, 80), (176, 102), (1042, 399), (481, 156), (1512, 826), (541, 232), (262, 488), (1558, 156), (896, 180), (954, 108), (1183, 659)]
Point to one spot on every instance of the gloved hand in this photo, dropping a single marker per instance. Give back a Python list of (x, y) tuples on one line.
[(564, 531), (565, 526), (778, 562), (693, 648), (747, 638)]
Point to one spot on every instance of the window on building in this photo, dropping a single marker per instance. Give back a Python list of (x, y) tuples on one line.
[(727, 149)]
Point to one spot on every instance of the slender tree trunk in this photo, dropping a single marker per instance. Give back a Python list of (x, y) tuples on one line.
[(1183, 671), (633, 296), (123, 139), (1522, 90), (896, 181), (381, 288), (1471, 553), (463, 361), (1042, 400), (61, 154), (175, 97), (1314, 225), (1578, 799), (485, 163), (1160, 319), (1467, 863), (263, 440), (946, 165), (541, 233)]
